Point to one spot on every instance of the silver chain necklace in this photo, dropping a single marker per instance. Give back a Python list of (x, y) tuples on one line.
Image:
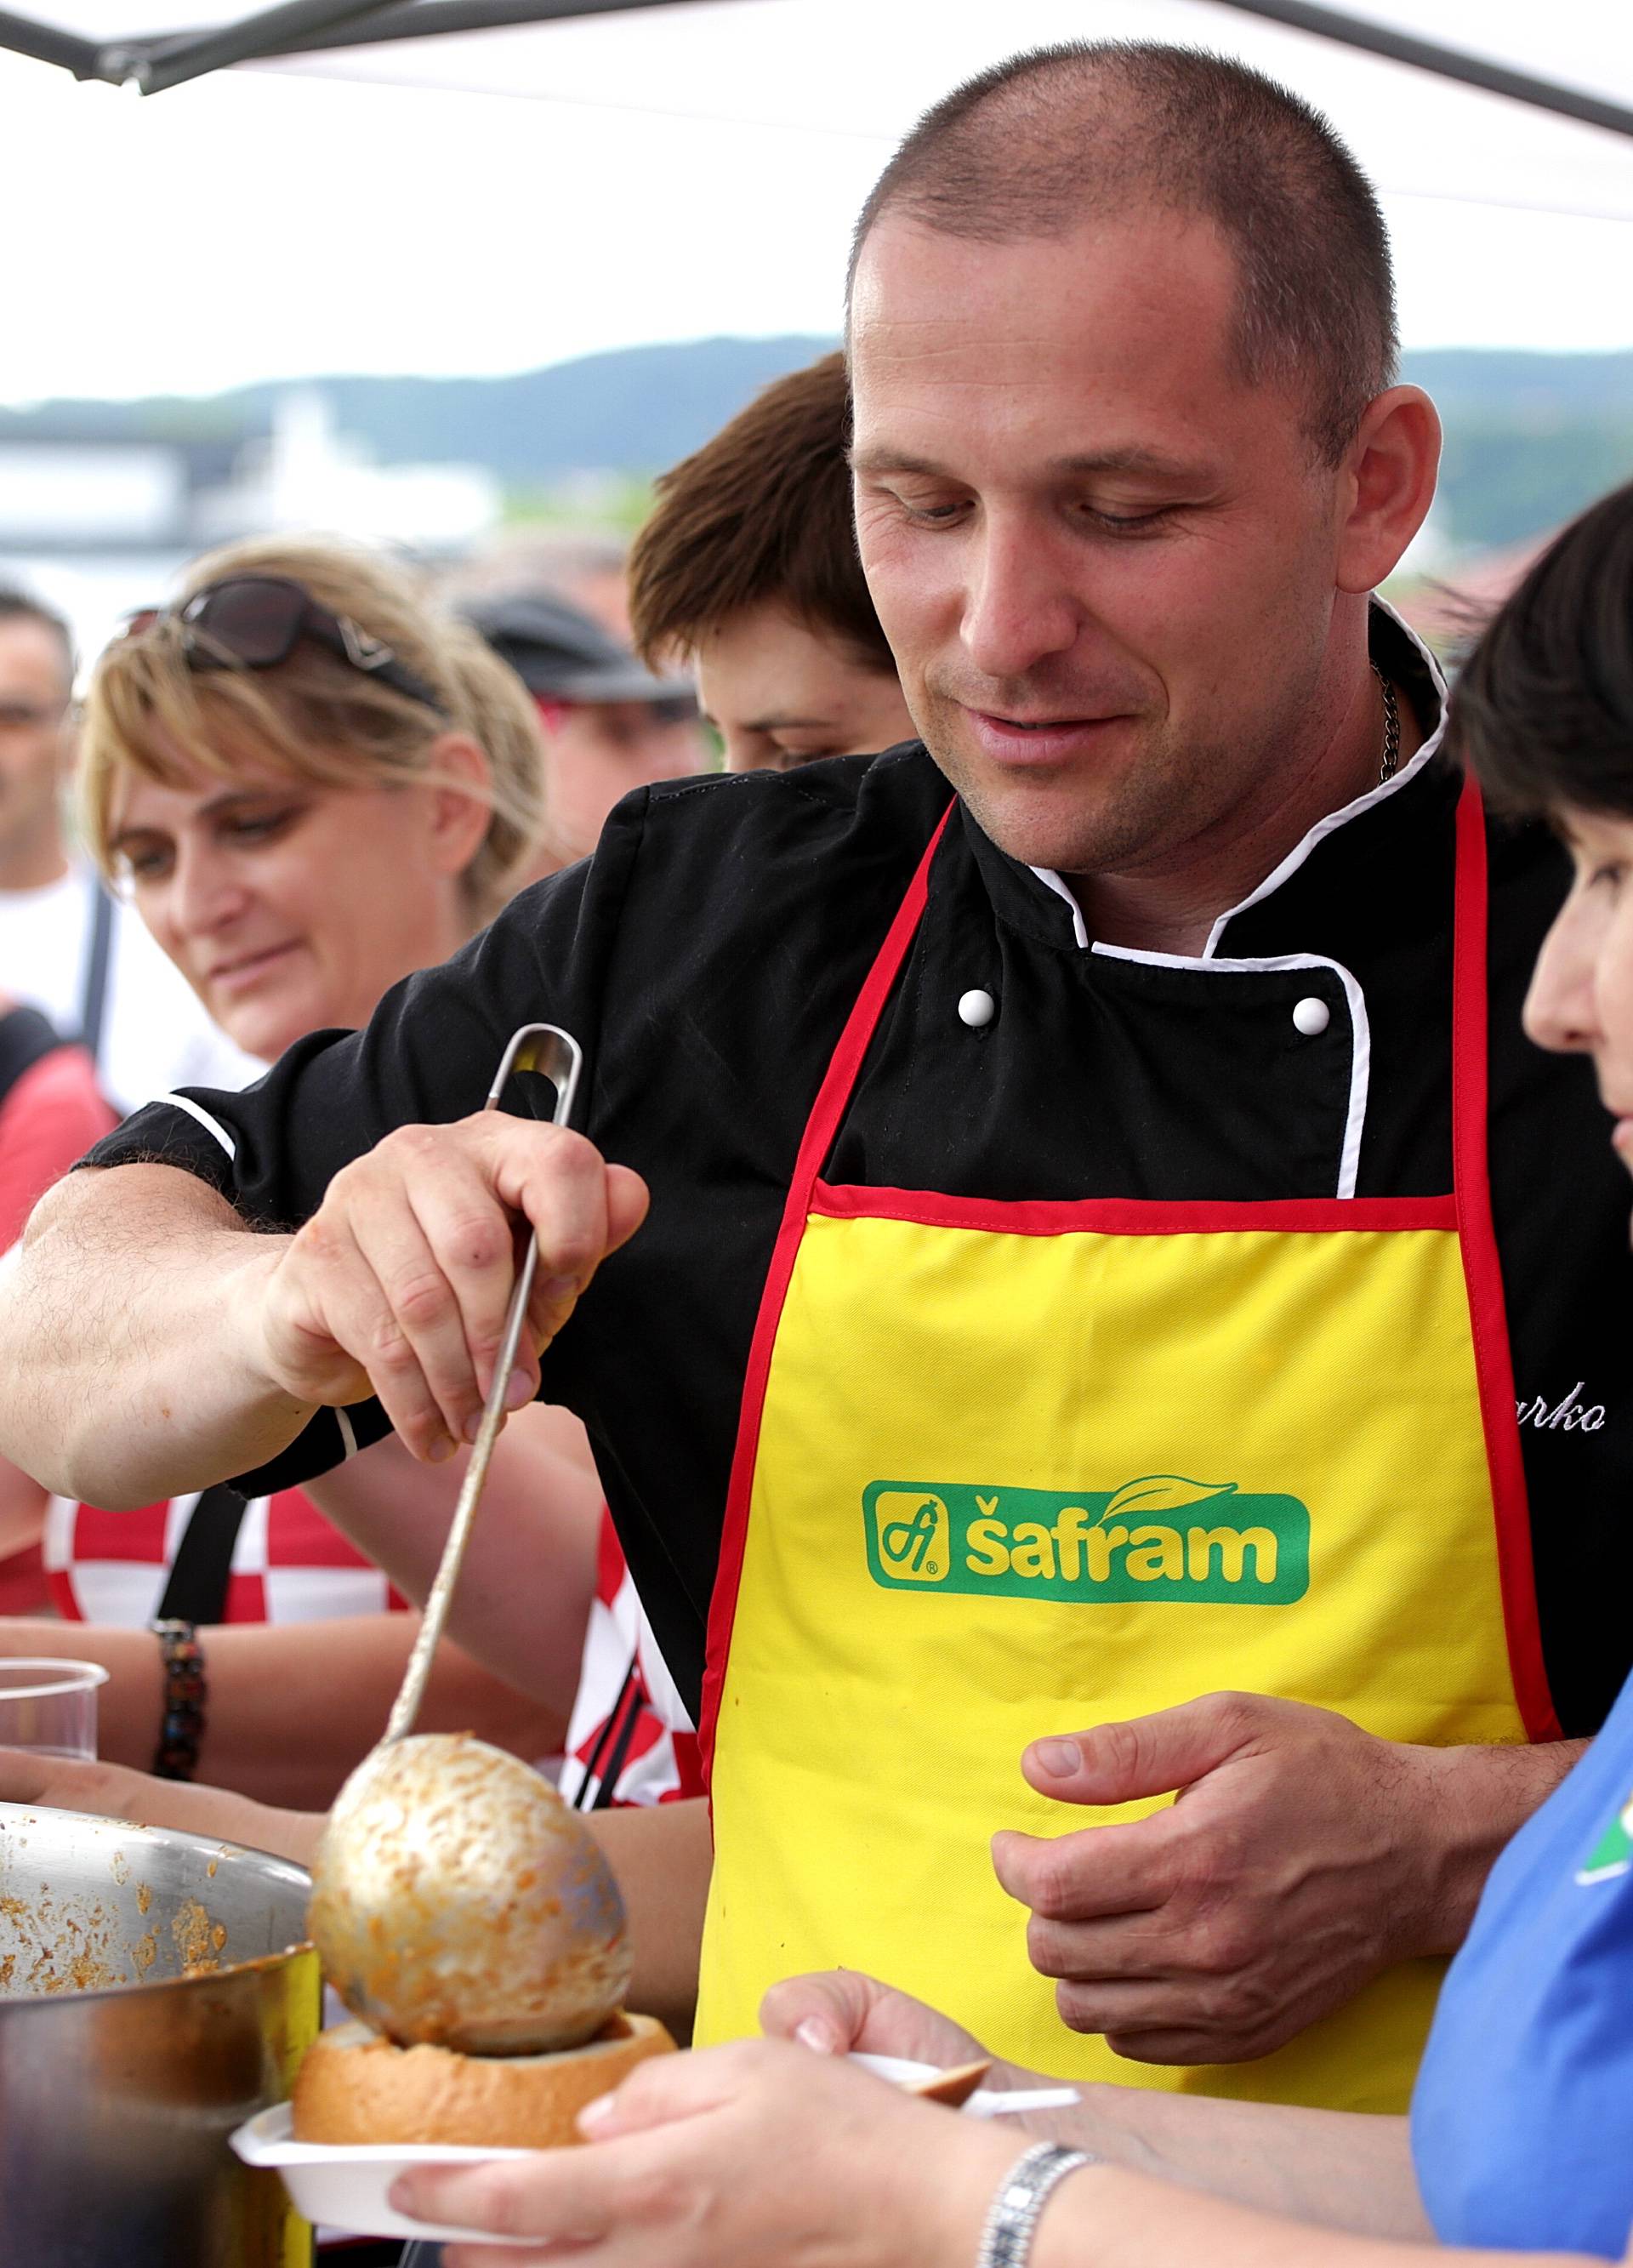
[(1390, 759)]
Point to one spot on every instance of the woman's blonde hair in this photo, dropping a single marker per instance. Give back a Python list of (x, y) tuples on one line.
[(314, 717)]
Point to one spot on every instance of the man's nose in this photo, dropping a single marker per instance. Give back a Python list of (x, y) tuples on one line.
[(1560, 1011), (1021, 607)]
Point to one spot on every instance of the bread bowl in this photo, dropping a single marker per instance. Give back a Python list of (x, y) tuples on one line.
[(355, 2087)]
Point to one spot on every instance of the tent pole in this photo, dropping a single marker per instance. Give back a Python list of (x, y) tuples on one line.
[(46, 43), (1446, 63), (156, 68), (421, 19)]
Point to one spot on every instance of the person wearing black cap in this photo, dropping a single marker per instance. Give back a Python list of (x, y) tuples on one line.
[(612, 725)]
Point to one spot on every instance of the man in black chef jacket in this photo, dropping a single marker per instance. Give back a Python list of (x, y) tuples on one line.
[(1141, 1085)]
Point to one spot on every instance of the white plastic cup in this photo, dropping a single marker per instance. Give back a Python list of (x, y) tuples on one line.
[(49, 1705)]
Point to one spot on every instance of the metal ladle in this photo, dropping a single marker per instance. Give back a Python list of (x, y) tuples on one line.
[(456, 1899)]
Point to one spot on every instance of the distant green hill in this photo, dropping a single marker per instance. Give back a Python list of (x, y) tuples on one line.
[(633, 411), (1530, 438)]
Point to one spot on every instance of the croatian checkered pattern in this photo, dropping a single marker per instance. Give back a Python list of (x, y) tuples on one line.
[(290, 1565), (660, 1762)]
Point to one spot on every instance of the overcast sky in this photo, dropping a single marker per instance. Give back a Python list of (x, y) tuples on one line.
[(685, 171)]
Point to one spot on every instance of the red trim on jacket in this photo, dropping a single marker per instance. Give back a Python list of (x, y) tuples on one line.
[(1488, 1307)]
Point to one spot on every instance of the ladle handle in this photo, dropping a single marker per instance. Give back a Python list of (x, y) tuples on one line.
[(557, 1055)]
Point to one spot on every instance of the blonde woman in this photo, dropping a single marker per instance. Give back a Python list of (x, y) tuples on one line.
[(310, 782)]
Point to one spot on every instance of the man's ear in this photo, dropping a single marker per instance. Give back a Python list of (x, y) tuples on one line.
[(462, 810), (1386, 486)]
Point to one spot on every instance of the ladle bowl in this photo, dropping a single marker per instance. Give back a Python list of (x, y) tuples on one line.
[(456, 1899)]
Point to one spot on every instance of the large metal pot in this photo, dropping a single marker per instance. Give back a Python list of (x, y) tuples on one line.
[(157, 1993)]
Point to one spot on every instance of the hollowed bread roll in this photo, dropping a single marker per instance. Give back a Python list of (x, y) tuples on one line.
[(356, 2088)]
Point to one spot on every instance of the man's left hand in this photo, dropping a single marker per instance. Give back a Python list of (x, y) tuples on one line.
[(1303, 1856)]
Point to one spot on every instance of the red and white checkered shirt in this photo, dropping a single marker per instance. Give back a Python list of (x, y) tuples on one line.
[(630, 1739), (290, 1565)]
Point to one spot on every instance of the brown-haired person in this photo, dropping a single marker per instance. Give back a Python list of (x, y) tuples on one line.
[(1084, 1211), (747, 569)]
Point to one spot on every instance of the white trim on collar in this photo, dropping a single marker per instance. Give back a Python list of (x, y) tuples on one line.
[(1296, 857)]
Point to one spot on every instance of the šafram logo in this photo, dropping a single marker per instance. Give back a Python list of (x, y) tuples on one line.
[(1160, 1537)]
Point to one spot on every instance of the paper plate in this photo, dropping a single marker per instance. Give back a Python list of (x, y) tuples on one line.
[(346, 2188)]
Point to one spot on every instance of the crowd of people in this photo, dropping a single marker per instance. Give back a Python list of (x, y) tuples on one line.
[(1092, 1271)]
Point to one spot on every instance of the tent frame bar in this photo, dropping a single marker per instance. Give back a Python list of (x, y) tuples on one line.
[(300, 27), (49, 43), (269, 31), (425, 19), (1446, 62)]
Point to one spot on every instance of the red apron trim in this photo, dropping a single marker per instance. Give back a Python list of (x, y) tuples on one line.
[(1134, 1216), (1488, 1313), (823, 1124)]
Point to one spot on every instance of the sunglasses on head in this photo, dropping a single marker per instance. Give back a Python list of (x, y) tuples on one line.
[(255, 621)]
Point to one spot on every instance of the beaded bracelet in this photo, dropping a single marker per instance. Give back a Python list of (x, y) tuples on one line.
[(1006, 2239), (186, 1693)]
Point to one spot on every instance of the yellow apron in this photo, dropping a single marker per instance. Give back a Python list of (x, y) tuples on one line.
[(1010, 1469)]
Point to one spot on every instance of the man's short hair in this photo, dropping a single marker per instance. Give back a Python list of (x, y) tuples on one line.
[(1035, 146), (18, 606), (761, 512)]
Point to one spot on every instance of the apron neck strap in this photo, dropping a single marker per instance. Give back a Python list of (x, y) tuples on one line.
[(841, 1078), (1470, 1001)]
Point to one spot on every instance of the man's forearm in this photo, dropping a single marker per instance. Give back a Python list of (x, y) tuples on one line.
[(1482, 1797), (126, 1378)]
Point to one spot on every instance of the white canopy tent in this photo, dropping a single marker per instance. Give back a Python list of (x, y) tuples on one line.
[(1546, 95), (693, 164)]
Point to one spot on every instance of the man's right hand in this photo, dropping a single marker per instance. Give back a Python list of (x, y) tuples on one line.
[(397, 1285)]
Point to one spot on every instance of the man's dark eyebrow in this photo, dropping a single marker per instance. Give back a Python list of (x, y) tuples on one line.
[(1149, 462)]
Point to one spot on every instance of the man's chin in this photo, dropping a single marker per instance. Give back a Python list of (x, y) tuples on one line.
[(1042, 827)]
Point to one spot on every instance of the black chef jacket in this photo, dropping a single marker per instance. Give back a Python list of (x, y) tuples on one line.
[(707, 956)]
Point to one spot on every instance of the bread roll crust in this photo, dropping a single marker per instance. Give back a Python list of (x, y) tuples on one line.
[(356, 2088)]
